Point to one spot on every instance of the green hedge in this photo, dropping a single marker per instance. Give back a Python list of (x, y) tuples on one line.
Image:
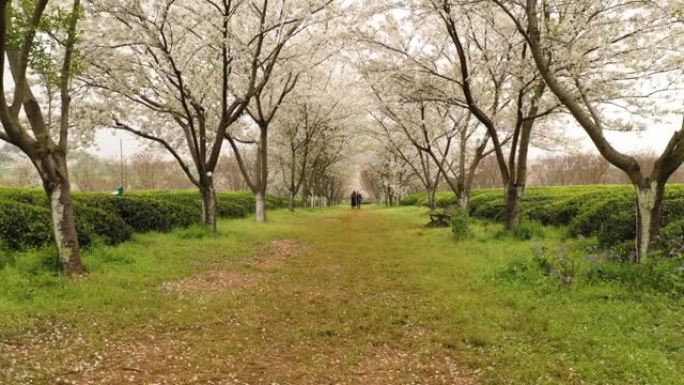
[(144, 213), (96, 224), (605, 212), (23, 225), (442, 199), (25, 217)]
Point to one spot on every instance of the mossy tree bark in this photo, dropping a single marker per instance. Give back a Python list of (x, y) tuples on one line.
[(46, 146), (209, 204), (55, 179)]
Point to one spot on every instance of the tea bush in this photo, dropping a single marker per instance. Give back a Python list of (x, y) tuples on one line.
[(604, 212), (528, 229), (25, 221), (23, 225), (93, 224)]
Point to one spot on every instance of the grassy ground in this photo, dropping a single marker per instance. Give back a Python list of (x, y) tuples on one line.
[(367, 297)]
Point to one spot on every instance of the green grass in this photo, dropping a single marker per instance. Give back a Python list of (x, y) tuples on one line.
[(376, 298)]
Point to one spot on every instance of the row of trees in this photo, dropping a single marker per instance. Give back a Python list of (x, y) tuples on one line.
[(143, 171), (185, 75), (454, 82), (386, 178), (448, 88), (390, 177)]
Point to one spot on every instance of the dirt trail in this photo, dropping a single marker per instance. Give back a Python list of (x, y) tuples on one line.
[(324, 309)]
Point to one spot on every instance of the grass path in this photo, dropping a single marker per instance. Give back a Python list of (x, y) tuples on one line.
[(339, 313), (340, 297)]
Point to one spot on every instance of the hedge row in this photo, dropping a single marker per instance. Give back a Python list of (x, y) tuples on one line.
[(606, 212), (25, 217)]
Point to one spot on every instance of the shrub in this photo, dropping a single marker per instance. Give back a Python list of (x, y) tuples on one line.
[(561, 212), (660, 275), (24, 226), (460, 225), (411, 200), (143, 213), (616, 227), (596, 215), (672, 210), (562, 266), (235, 206), (28, 196), (276, 202), (491, 210), (606, 212), (624, 251), (443, 199), (527, 230), (25, 217), (673, 231), (93, 224)]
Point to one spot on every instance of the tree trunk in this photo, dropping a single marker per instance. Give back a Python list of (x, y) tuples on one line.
[(209, 205), (462, 176), (649, 201), (514, 194), (431, 198), (261, 207), (263, 175), (293, 198), (463, 200), (462, 195), (56, 183)]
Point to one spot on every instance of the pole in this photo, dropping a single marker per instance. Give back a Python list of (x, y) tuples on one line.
[(122, 160)]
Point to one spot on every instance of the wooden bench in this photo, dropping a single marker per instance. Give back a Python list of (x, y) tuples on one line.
[(440, 219)]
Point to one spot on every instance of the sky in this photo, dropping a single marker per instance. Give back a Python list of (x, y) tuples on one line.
[(107, 142)]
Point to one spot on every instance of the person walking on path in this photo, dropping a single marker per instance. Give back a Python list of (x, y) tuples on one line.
[(354, 196), (359, 200)]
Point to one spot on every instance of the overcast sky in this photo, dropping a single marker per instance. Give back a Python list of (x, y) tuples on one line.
[(654, 139)]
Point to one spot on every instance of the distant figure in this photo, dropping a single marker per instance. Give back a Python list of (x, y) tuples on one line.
[(359, 200), (354, 196)]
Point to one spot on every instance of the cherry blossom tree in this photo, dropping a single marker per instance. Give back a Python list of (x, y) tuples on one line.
[(422, 166), (38, 44), (466, 55), (317, 111), (386, 175), (607, 60), (303, 37), (181, 73), (515, 89), (328, 169), (442, 142)]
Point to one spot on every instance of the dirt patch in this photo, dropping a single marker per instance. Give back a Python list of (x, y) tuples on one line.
[(276, 253), (386, 365), (269, 256), (213, 282), (332, 219), (57, 354), (334, 270)]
